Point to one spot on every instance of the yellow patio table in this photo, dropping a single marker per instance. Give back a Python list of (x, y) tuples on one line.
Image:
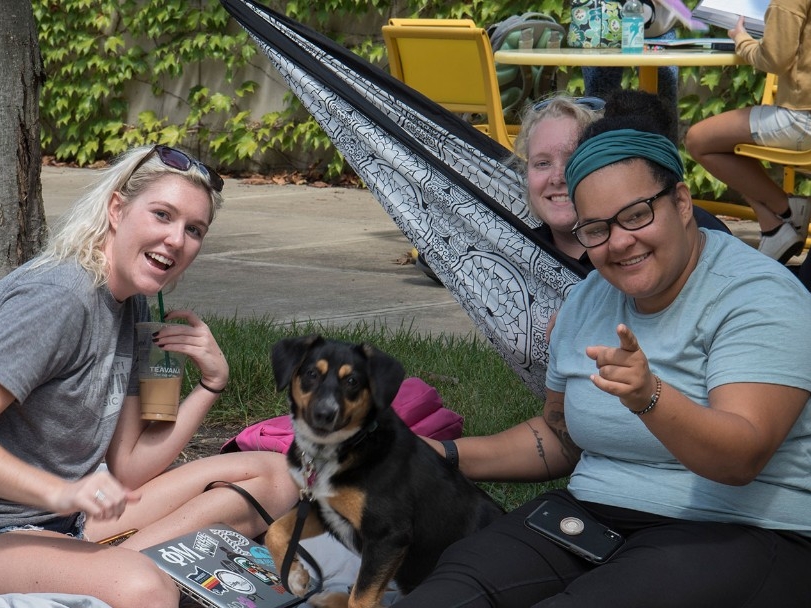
[(647, 61)]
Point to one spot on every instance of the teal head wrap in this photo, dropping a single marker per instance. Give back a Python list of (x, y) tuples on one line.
[(613, 146)]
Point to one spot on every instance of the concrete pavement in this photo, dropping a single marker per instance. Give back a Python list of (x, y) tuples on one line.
[(298, 253)]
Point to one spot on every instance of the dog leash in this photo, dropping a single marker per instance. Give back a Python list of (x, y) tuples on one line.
[(306, 500), (302, 510), (305, 503), (293, 547)]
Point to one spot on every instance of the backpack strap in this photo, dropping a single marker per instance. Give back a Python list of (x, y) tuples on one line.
[(498, 31), (517, 84), (541, 25)]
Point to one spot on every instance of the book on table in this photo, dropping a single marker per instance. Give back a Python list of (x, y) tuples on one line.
[(724, 13)]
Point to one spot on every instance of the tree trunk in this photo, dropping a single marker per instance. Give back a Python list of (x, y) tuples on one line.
[(22, 216)]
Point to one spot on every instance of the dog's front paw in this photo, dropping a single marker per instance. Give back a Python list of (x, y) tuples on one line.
[(298, 580)]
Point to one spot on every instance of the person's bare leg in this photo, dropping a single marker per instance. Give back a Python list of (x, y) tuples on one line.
[(764, 215), (46, 562), (712, 142), (174, 503)]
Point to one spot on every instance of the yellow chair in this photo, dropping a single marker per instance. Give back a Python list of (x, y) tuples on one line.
[(793, 160), (451, 64), (769, 89), (434, 22)]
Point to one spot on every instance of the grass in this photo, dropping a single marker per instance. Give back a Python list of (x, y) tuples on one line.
[(469, 375)]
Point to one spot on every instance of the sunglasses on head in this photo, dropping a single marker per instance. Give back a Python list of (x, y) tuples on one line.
[(177, 159), (592, 103)]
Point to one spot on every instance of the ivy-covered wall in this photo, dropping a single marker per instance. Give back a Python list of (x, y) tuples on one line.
[(125, 72)]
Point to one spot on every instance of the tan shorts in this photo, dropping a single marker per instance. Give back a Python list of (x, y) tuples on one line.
[(779, 127)]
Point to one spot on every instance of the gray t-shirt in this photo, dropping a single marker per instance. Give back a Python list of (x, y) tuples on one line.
[(66, 354)]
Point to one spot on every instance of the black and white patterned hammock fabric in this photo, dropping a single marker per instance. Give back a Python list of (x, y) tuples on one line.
[(445, 184)]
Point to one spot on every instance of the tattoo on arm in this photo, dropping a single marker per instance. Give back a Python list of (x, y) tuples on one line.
[(553, 414), (540, 448)]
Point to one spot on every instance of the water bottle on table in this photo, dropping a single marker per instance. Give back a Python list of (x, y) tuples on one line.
[(633, 27)]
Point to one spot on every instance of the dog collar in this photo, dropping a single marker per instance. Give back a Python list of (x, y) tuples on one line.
[(355, 439)]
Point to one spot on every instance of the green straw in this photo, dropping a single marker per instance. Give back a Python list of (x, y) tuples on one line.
[(160, 307)]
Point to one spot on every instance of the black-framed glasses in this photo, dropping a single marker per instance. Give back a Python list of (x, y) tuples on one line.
[(631, 217), (592, 103), (177, 159)]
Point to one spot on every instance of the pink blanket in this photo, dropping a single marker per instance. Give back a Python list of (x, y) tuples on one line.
[(417, 403)]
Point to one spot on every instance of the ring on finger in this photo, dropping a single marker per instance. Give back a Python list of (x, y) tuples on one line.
[(99, 495)]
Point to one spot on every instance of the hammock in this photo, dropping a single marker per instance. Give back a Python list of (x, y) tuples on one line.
[(445, 184)]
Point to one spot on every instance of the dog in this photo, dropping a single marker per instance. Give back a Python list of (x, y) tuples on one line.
[(374, 484)]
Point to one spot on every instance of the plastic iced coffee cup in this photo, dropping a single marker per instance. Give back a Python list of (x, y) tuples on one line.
[(160, 374)]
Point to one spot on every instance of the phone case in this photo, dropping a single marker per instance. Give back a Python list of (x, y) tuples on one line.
[(117, 539), (575, 530)]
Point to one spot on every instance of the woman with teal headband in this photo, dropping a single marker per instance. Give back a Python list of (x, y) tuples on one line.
[(677, 394)]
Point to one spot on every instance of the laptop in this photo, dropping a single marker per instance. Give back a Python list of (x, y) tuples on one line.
[(715, 44), (220, 568)]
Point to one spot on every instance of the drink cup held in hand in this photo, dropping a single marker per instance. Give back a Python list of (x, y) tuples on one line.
[(160, 374)]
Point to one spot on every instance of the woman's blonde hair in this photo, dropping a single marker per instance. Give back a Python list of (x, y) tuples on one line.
[(82, 233), (559, 106)]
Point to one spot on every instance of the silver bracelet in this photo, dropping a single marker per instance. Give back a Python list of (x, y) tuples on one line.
[(653, 400)]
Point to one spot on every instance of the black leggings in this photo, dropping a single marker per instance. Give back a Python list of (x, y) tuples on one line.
[(664, 563)]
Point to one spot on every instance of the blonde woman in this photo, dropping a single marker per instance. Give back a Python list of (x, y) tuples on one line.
[(69, 395)]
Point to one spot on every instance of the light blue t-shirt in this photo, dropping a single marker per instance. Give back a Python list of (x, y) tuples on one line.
[(741, 317)]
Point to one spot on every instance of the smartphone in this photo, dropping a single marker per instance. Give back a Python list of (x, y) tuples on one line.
[(575, 530)]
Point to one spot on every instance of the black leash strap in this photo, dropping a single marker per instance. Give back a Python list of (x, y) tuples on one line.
[(246, 495), (301, 514), (293, 547)]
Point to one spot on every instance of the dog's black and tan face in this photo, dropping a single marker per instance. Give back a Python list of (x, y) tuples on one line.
[(334, 387)]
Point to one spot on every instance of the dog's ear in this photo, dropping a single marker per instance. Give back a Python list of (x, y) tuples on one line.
[(386, 374), (287, 354)]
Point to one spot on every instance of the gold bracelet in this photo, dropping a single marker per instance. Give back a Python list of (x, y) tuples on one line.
[(653, 400)]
